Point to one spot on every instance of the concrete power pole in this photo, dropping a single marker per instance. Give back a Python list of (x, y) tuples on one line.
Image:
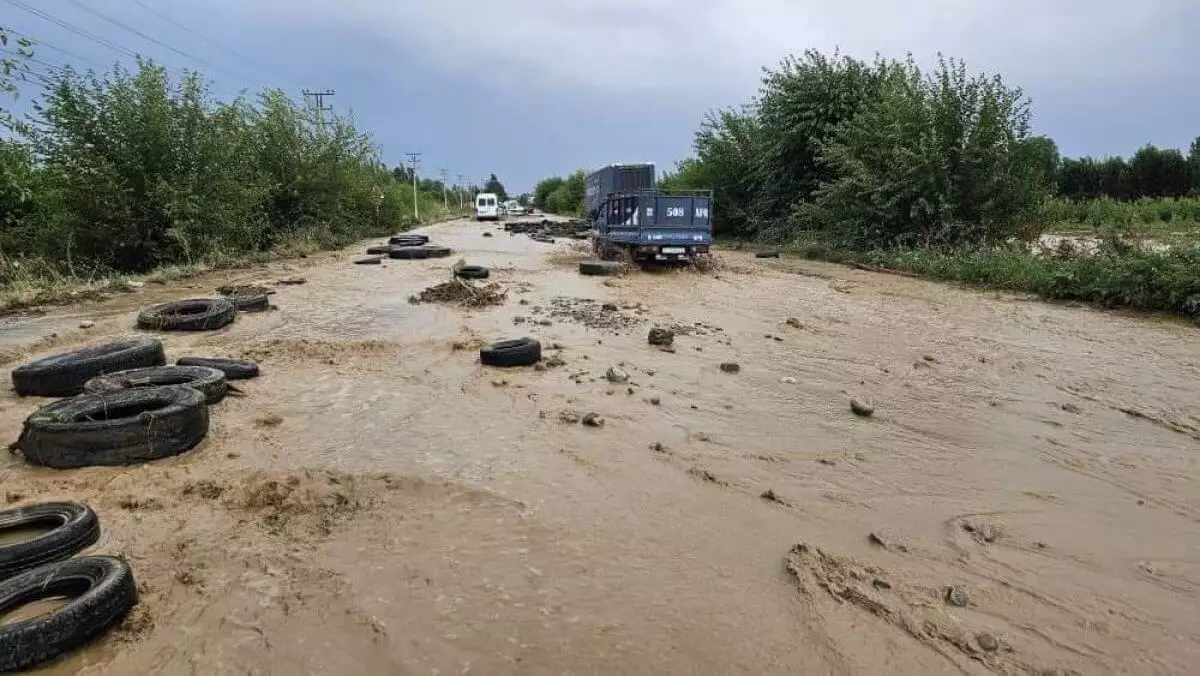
[(319, 100), (461, 187), (415, 159), (445, 175)]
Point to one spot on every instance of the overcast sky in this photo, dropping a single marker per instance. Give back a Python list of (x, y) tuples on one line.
[(527, 88)]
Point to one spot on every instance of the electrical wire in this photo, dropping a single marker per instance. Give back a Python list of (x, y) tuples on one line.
[(190, 31), (37, 42), (160, 43), (74, 29)]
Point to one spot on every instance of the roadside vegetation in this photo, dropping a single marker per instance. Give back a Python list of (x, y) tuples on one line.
[(561, 194), (935, 172), (127, 172)]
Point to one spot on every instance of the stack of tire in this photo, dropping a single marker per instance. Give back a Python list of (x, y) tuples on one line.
[(120, 404), (99, 590), (409, 246)]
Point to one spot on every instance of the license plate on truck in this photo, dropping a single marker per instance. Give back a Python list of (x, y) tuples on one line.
[(674, 249)]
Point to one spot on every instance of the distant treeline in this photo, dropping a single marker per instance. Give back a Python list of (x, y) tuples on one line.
[(1150, 172)]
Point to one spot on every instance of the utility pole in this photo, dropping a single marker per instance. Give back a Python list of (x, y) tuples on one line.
[(461, 187), (415, 159), (319, 99), (445, 175)]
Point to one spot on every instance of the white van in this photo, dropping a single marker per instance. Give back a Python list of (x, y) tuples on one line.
[(487, 207)]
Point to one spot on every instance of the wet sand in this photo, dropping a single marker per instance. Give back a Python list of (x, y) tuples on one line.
[(378, 502)]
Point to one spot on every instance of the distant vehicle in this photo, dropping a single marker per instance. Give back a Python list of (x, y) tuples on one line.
[(487, 207), (629, 215)]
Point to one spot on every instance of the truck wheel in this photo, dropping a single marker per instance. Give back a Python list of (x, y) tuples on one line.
[(209, 381), (519, 352), (64, 374), (74, 527)]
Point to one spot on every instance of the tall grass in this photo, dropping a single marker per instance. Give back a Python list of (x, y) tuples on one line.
[(1147, 215)]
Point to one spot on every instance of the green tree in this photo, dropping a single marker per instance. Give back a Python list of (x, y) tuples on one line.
[(494, 185), (544, 188), (936, 159)]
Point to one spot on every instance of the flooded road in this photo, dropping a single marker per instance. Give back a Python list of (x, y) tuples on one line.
[(378, 502)]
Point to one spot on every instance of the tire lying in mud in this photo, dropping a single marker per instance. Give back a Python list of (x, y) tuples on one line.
[(234, 369), (74, 527), (472, 272), (100, 589), (519, 352), (599, 267), (64, 374), (258, 302), (115, 428), (381, 250), (408, 253), (209, 381), (197, 314), (405, 239), (369, 260), (438, 251), (767, 254)]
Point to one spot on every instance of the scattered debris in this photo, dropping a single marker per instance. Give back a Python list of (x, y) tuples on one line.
[(555, 361), (982, 532), (487, 234), (289, 281), (462, 292), (523, 301), (591, 314), (369, 260), (862, 408), (269, 420), (616, 375), (593, 420), (658, 447), (86, 324), (770, 496), (570, 417), (545, 322), (827, 461), (880, 583), (655, 401), (957, 596), (1071, 408), (609, 307), (788, 380), (499, 382), (930, 358), (730, 367)]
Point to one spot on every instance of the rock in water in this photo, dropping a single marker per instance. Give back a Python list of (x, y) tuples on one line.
[(988, 642), (86, 324), (616, 375), (730, 367), (593, 420), (862, 408), (661, 337), (957, 596)]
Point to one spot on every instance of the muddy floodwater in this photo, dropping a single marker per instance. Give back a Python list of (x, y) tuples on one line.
[(1024, 499)]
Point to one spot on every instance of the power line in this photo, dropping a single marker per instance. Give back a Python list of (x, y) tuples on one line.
[(184, 28), (123, 26), (42, 43), (74, 29)]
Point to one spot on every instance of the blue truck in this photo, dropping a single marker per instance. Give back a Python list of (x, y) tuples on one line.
[(630, 215)]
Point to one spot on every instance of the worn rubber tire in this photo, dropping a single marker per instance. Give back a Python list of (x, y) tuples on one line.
[(195, 314), (409, 237), (64, 374), (599, 267), (438, 251), (380, 250), (75, 528), (164, 421), (472, 272), (408, 253), (211, 382), (101, 591), (369, 260), (258, 302), (234, 369), (767, 254), (519, 352)]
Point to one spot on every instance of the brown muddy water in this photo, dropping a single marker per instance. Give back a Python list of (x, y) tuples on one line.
[(378, 502)]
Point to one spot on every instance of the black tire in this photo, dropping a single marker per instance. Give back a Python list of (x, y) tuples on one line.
[(409, 253), (767, 254), (369, 260), (101, 590), (438, 251), (472, 272), (75, 528), (409, 237), (117, 428), (234, 369), (64, 374), (250, 302), (519, 352), (599, 267), (197, 314), (209, 381), (381, 250)]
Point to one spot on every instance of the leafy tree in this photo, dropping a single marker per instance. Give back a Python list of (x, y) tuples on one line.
[(493, 185), (1159, 172), (544, 188), (937, 159)]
